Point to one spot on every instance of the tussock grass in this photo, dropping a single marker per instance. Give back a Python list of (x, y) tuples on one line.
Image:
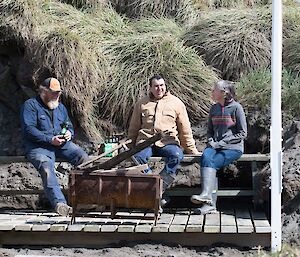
[(181, 10), (138, 57), (61, 53), (85, 4), (92, 27), (238, 41), (234, 42), (158, 25), (254, 91), (291, 54), (55, 50), (215, 4), (18, 19)]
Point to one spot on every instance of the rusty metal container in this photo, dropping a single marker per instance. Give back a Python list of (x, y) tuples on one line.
[(115, 190)]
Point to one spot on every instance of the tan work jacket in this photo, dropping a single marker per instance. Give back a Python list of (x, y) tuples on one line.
[(168, 113)]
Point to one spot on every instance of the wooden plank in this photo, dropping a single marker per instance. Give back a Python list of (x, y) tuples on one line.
[(187, 158), (260, 221), (143, 228), (23, 227), (75, 227), (228, 222), (145, 225), (111, 225), (92, 228), (9, 225), (128, 225), (163, 223), (180, 220), (195, 223), (212, 223), (189, 191), (41, 227), (244, 222), (58, 227)]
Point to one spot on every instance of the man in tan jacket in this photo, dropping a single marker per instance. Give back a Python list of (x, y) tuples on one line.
[(161, 111)]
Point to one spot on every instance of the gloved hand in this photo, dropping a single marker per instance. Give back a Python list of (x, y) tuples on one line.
[(213, 144)]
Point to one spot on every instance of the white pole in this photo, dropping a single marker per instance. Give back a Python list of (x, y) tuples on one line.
[(276, 127)]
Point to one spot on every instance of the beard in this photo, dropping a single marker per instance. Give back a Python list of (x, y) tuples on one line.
[(52, 104)]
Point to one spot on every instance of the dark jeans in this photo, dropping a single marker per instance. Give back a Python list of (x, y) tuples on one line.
[(173, 155), (44, 161)]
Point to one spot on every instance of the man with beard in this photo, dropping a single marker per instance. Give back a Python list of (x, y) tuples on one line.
[(47, 133), (161, 111)]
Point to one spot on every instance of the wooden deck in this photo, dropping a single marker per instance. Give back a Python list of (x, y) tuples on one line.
[(242, 227)]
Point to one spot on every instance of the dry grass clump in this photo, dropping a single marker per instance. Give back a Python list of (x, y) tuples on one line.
[(138, 57), (85, 4), (18, 19), (181, 10), (92, 27), (158, 25), (291, 53), (234, 42), (62, 54), (238, 41), (254, 90), (215, 4), (58, 49)]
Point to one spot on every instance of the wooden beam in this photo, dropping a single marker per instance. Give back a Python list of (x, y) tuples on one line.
[(127, 154), (186, 158)]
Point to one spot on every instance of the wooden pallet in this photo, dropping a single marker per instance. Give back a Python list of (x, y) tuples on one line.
[(241, 227)]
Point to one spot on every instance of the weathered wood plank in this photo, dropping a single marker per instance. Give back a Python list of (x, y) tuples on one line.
[(75, 227), (195, 223), (260, 221), (180, 220), (212, 223), (163, 223), (111, 225), (128, 225), (9, 225), (92, 228), (228, 222), (23, 227), (143, 228), (58, 227), (41, 227), (145, 225), (244, 222), (186, 158)]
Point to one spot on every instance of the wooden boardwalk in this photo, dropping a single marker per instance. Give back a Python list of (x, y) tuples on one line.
[(241, 227)]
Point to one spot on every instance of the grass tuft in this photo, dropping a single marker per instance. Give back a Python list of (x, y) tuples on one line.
[(138, 57)]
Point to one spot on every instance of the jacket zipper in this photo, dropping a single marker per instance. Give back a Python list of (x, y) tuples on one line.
[(154, 117)]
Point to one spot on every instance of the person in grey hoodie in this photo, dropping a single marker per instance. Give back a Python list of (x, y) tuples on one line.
[(227, 129)]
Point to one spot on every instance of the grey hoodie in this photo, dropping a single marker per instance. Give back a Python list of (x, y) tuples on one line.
[(227, 126)]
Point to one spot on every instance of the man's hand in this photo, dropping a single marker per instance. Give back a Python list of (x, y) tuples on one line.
[(58, 140), (68, 135)]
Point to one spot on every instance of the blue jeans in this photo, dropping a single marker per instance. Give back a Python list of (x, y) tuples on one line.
[(173, 155), (44, 161), (219, 158)]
